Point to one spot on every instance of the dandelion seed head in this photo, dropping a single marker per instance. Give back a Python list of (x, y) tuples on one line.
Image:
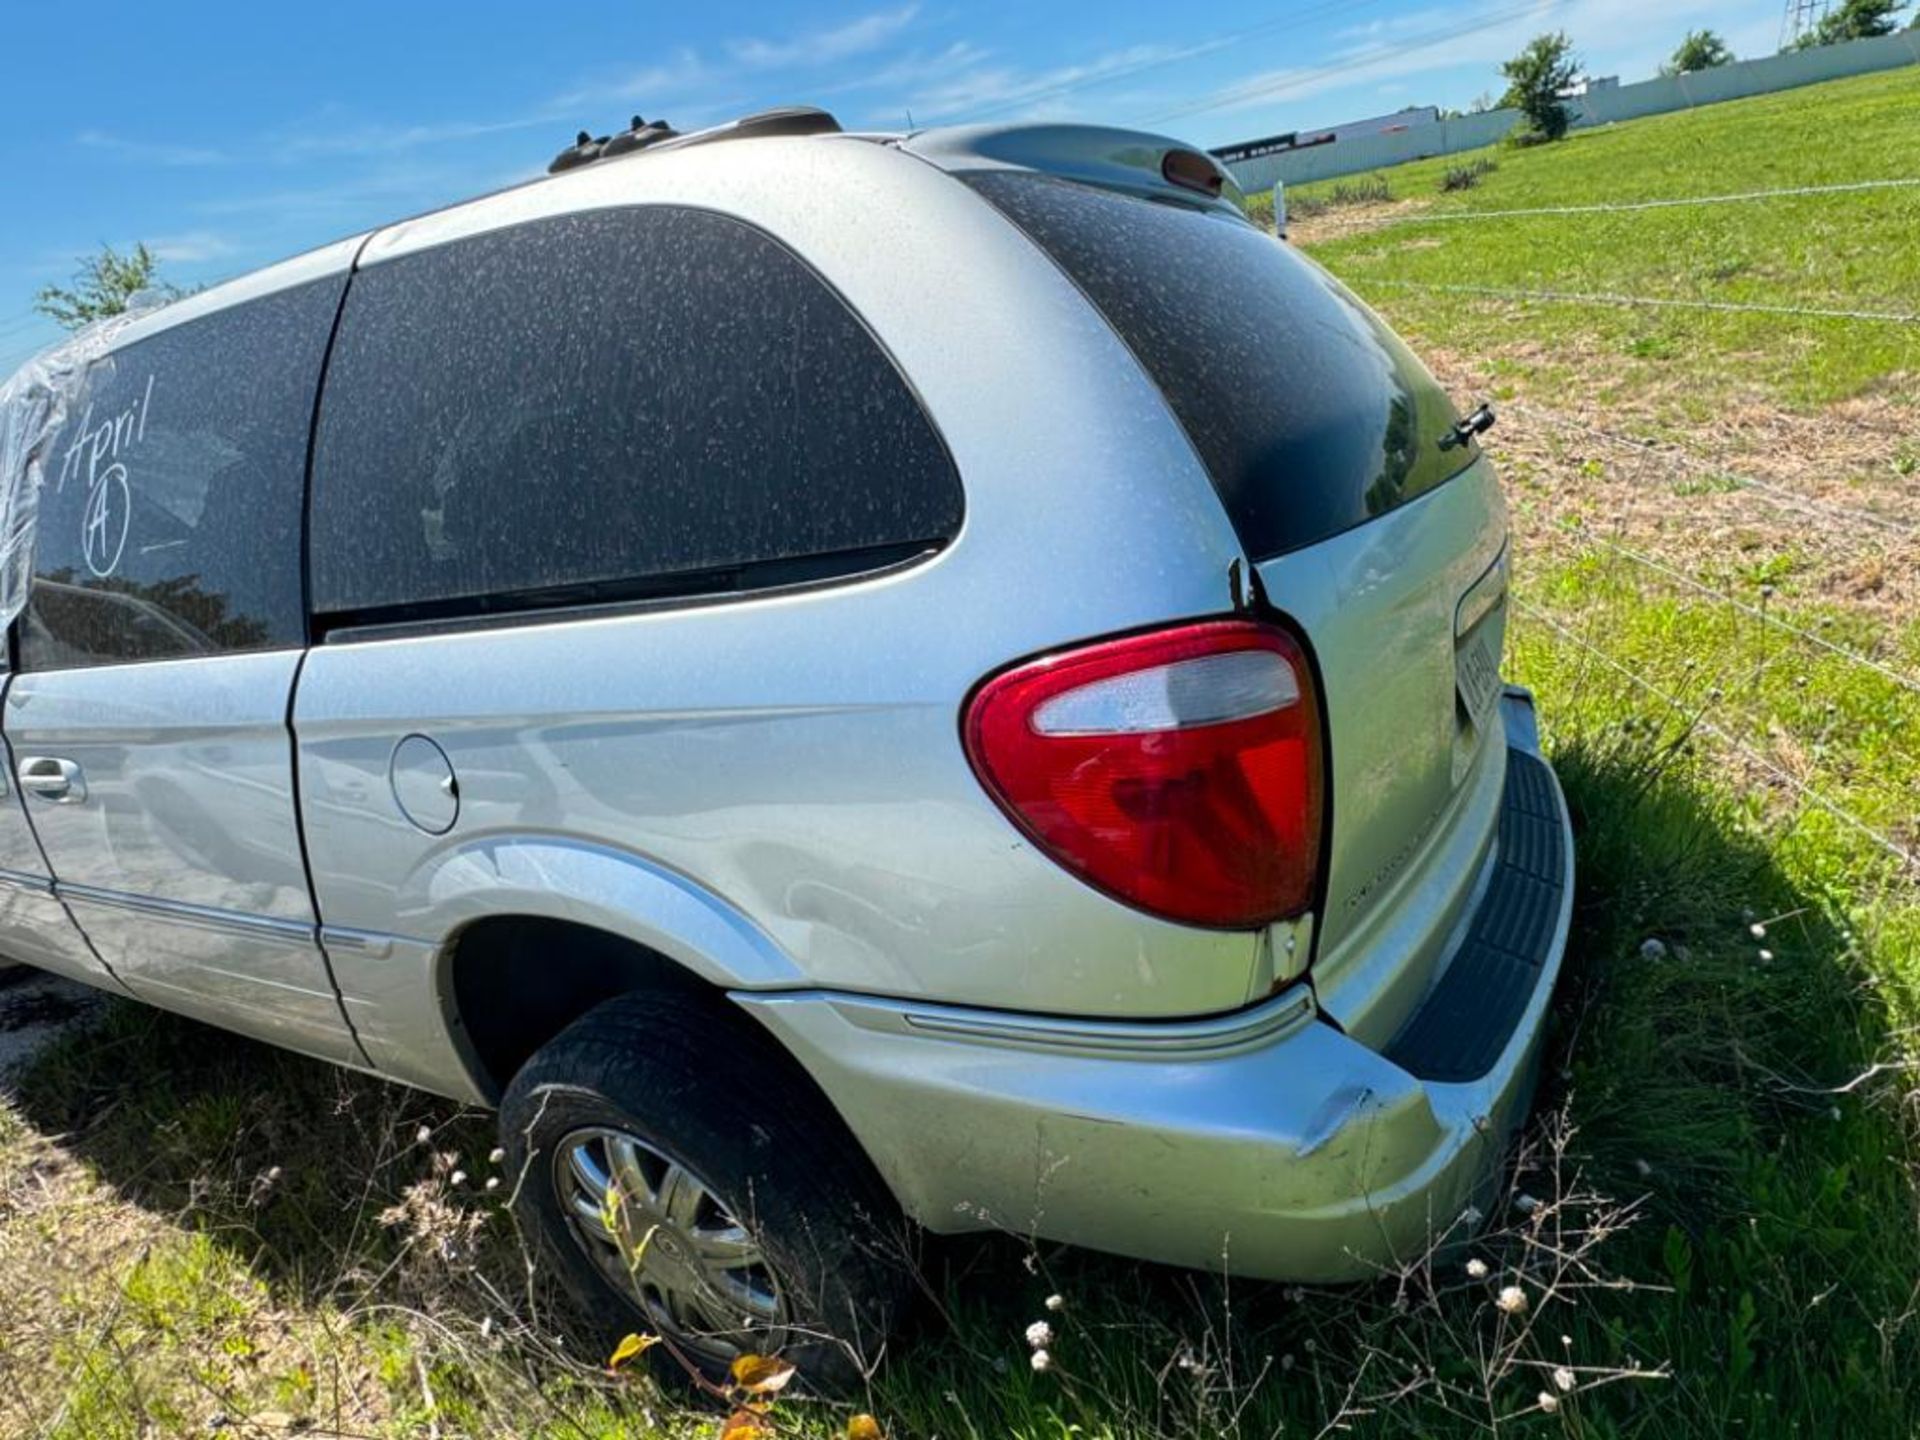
[(1512, 1300), (1039, 1335), (1652, 949), (1477, 1269)]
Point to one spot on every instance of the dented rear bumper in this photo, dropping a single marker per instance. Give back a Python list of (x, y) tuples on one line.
[(1267, 1141)]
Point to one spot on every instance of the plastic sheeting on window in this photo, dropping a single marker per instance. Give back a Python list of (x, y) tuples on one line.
[(34, 405)]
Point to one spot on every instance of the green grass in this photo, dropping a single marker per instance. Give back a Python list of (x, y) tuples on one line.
[(1852, 251), (195, 1229)]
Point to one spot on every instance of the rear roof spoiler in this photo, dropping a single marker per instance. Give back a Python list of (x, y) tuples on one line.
[(1133, 161)]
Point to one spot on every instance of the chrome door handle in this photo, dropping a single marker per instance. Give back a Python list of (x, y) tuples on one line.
[(54, 780)]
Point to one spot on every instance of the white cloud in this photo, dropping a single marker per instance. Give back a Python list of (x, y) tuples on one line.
[(151, 152), (681, 74), (190, 247), (964, 83), (373, 139), (823, 47)]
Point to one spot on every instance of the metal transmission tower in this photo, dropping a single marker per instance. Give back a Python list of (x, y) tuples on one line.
[(1801, 17)]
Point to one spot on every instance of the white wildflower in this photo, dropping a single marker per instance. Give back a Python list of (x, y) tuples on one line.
[(457, 1179), (1549, 1402), (1766, 957), (1512, 1300), (1477, 1269), (1056, 1303), (1041, 1361), (1039, 1335), (424, 1135), (496, 1155), (1757, 930), (1562, 1378)]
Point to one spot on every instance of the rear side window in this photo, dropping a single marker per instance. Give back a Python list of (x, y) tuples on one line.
[(169, 522), (650, 400), (1310, 415)]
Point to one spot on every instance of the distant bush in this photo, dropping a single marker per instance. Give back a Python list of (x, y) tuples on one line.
[(1342, 195), (1523, 137), (1465, 177)]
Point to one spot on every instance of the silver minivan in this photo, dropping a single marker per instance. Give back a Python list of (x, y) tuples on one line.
[(850, 685)]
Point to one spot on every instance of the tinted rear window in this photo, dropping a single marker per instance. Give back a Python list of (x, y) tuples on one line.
[(1310, 415), (635, 401)]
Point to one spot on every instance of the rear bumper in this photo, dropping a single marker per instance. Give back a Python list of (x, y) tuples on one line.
[(1266, 1142)]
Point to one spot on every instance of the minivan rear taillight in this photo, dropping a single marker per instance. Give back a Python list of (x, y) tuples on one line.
[(1179, 771)]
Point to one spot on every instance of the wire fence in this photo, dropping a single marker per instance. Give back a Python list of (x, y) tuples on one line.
[(1623, 207), (1651, 302), (1782, 495), (1697, 720), (1737, 716), (1757, 612)]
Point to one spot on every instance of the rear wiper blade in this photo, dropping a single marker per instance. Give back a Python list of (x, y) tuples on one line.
[(1478, 423)]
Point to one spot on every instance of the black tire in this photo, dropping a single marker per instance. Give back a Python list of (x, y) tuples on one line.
[(701, 1084)]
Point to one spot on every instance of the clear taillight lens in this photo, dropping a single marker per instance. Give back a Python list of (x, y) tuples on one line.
[(1180, 771)]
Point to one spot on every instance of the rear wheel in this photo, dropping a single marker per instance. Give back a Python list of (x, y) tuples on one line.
[(686, 1182)]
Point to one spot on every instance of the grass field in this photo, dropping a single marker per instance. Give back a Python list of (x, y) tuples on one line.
[(1715, 1221)]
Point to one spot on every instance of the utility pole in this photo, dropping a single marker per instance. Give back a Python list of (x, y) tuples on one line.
[(1801, 17)]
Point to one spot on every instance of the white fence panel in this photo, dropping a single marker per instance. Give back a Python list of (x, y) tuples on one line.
[(1601, 107)]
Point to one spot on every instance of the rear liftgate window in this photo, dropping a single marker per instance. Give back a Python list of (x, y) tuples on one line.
[(1310, 415), (620, 403)]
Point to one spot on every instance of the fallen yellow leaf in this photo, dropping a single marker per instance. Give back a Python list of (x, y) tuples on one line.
[(864, 1427), (761, 1374), (629, 1347), (745, 1425)]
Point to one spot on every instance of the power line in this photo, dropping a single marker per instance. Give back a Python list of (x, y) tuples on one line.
[(1577, 297)]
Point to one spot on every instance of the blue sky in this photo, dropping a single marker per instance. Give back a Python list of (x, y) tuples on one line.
[(229, 134)]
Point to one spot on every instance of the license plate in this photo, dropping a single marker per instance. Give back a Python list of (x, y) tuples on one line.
[(1476, 671)]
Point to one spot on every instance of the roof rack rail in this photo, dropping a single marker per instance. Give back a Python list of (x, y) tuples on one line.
[(646, 135)]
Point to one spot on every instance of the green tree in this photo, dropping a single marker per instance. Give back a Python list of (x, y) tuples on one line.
[(1853, 20), (1536, 79), (1701, 50), (102, 286)]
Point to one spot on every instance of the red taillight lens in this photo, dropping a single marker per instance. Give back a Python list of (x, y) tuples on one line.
[(1179, 771)]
